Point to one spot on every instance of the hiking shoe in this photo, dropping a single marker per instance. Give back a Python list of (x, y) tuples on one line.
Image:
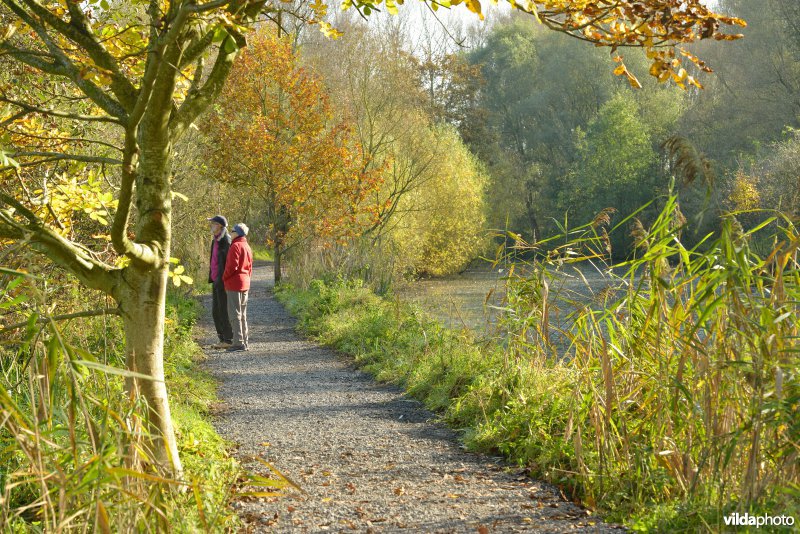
[(236, 348), (221, 345)]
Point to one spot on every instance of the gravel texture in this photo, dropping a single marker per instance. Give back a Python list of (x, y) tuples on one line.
[(367, 458)]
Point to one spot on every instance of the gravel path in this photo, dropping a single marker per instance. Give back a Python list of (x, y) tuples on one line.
[(368, 458)]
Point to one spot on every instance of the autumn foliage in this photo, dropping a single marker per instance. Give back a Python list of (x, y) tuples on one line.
[(274, 132)]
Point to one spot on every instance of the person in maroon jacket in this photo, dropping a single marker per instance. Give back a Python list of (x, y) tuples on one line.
[(216, 265), (236, 277)]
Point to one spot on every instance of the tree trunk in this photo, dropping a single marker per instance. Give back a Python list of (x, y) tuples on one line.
[(142, 296), (278, 261), (143, 307)]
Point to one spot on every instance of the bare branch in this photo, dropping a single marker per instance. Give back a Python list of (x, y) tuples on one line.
[(56, 156), (62, 114)]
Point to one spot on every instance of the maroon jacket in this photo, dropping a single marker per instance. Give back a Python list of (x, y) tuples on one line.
[(238, 266)]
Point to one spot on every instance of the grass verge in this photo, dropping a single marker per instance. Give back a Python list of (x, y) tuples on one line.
[(212, 472), (69, 431)]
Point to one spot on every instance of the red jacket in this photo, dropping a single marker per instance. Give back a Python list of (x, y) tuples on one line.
[(238, 266)]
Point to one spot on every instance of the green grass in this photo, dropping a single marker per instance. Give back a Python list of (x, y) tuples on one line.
[(68, 431), (192, 393), (261, 252)]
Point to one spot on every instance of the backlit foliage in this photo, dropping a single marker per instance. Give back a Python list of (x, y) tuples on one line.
[(274, 133)]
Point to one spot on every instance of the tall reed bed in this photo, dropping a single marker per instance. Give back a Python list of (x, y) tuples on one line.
[(675, 387), (72, 455)]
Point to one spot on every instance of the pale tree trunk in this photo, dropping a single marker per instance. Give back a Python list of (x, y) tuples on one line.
[(142, 294), (143, 305)]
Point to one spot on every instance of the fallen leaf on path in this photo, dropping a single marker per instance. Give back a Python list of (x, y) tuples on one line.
[(400, 491), (483, 529)]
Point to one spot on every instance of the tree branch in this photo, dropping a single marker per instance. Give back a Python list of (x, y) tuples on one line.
[(62, 114), (55, 156), (92, 273), (196, 49), (12, 118), (78, 32), (197, 101)]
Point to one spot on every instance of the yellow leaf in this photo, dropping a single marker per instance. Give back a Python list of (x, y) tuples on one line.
[(475, 7)]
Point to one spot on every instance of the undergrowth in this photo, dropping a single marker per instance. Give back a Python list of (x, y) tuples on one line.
[(69, 432)]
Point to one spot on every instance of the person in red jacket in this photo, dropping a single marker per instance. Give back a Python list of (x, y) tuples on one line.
[(236, 277)]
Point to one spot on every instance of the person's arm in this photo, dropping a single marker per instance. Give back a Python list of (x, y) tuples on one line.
[(222, 256), (231, 262), (210, 258)]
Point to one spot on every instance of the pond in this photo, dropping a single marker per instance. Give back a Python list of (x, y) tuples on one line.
[(470, 299)]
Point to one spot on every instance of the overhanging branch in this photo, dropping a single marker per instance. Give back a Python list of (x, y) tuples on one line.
[(92, 273), (197, 101), (61, 114)]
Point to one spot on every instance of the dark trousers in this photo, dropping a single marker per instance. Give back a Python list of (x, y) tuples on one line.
[(219, 311)]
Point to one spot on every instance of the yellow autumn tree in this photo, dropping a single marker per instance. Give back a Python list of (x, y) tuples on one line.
[(440, 226)]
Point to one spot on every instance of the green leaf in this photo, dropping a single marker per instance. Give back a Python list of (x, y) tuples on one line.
[(230, 46), (113, 370), (219, 34), (6, 161), (13, 284)]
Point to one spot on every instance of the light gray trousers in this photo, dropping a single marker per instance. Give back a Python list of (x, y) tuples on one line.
[(237, 313)]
